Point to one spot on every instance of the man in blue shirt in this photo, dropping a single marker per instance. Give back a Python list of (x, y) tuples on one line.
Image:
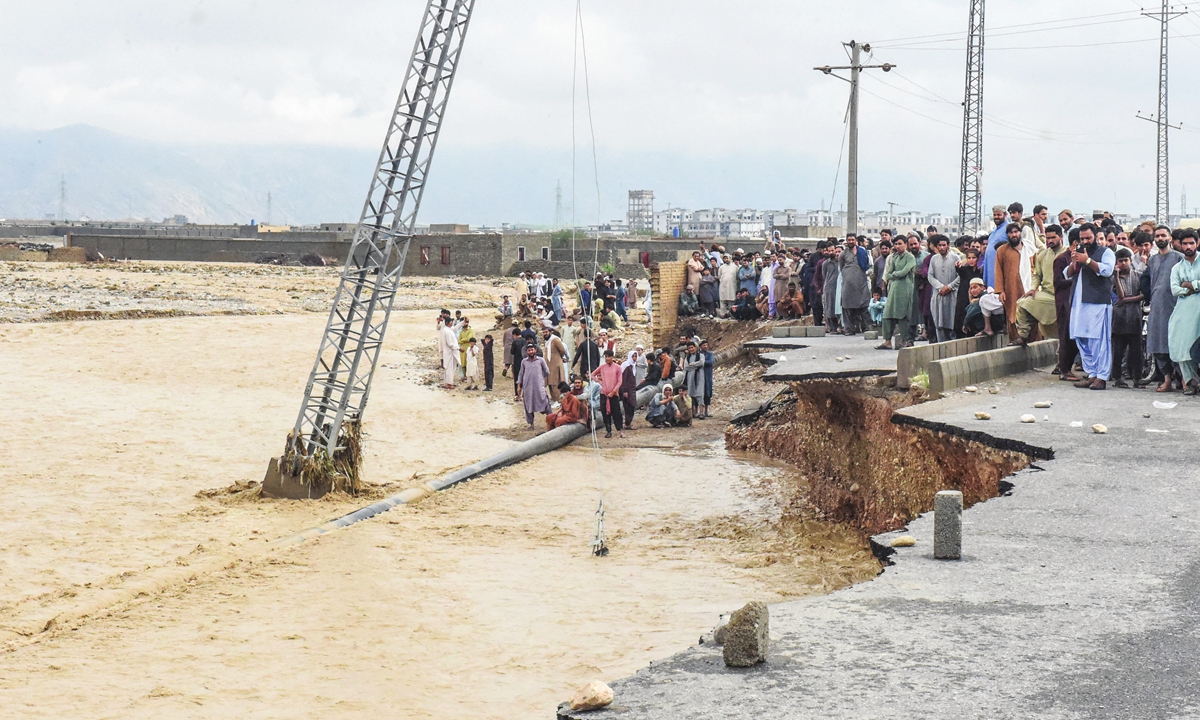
[(998, 237)]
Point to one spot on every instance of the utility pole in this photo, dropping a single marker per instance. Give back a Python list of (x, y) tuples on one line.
[(855, 67), (62, 198), (558, 207), (268, 207), (891, 212), (970, 193), (1162, 202)]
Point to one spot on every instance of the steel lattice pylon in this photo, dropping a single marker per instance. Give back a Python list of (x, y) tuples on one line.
[(1162, 201), (970, 196), (340, 382)]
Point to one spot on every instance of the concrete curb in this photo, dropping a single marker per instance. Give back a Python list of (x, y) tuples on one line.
[(915, 360), (954, 372)]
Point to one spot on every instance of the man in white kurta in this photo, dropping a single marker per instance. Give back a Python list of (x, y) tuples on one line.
[(448, 349)]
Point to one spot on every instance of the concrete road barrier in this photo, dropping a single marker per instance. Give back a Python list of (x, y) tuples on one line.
[(915, 360), (974, 368)]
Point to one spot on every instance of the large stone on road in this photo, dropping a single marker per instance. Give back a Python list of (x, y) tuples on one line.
[(746, 636)]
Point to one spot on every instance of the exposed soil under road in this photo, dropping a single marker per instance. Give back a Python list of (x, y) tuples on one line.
[(482, 601)]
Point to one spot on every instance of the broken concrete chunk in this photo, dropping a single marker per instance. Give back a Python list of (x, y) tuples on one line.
[(970, 389), (904, 541), (1076, 423), (592, 696), (983, 416), (847, 357), (747, 636), (1043, 404), (1145, 415), (719, 630), (1099, 429), (994, 391), (1028, 418), (838, 359)]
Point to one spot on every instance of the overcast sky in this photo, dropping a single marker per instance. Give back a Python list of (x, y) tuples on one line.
[(708, 103)]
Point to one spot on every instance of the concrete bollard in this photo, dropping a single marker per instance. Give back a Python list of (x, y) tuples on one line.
[(947, 525)]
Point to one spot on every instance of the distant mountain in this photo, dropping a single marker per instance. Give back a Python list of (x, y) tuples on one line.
[(109, 175)]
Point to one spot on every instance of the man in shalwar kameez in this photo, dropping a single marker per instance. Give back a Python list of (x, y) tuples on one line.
[(1185, 320), (448, 348), (532, 384), (943, 279), (1091, 269)]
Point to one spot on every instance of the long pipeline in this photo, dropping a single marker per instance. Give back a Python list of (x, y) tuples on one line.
[(544, 443)]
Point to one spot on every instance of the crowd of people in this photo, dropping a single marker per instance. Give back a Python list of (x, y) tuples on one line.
[(1122, 304), (569, 364)]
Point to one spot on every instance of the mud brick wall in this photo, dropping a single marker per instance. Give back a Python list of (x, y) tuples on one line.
[(666, 283)]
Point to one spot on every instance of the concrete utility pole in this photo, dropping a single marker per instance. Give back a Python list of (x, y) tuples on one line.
[(891, 213), (1162, 204), (855, 67)]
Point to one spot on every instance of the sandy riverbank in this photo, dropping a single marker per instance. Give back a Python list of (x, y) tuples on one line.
[(480, 602)]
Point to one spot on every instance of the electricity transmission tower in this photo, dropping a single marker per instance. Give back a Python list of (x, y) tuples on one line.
[(970, 194), (855, 67), (1162, 202), (340, 382)]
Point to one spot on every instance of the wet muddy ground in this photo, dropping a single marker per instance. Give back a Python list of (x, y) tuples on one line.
[(483, 601)]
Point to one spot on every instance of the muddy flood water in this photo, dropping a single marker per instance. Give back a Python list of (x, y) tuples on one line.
[(137, 586)]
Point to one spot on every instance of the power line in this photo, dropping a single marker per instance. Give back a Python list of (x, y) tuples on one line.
[(1029, 136), (1009, 27), (1061, 46), (841, 152), (1028, 31), (999, 121)]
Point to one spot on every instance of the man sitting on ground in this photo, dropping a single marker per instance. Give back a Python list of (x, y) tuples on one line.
[(743, 306), (572, 408), (506, 307), (763, 301), (683, 411), (791, 305), (662, 411), (983, 308), (875, 307), (689, 304)]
